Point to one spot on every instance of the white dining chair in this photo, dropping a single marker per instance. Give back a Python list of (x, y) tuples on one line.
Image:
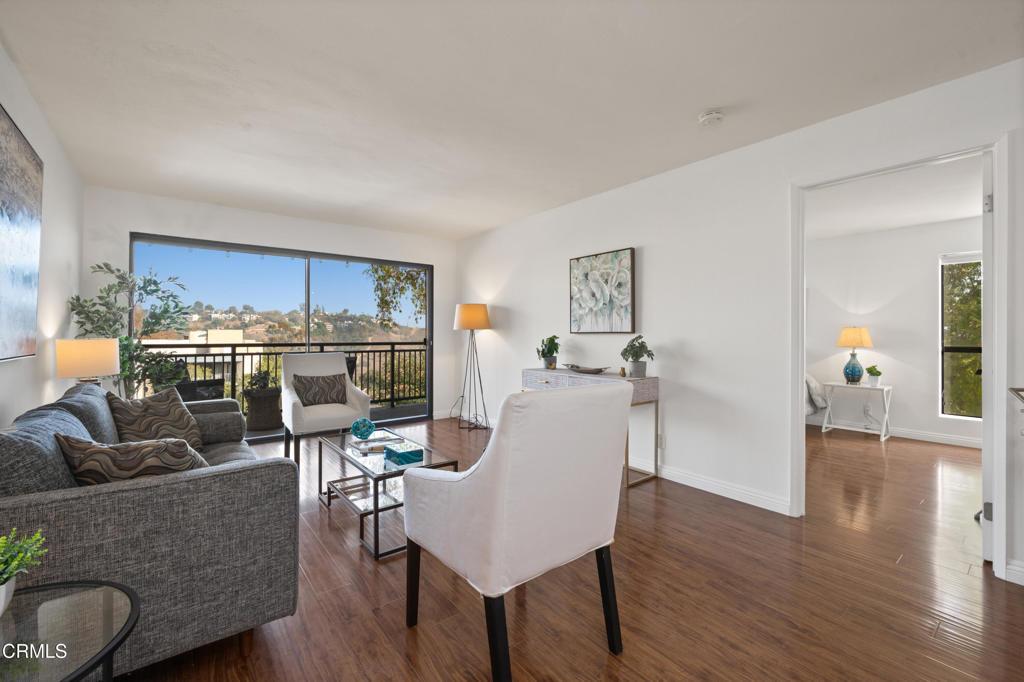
[(300, 420), (545, 492)]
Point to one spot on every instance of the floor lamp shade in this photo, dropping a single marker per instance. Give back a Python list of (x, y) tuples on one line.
[(472, 409), (87, 358), (472, 316)]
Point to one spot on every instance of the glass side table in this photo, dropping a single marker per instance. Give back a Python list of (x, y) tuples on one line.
[(65, 631)]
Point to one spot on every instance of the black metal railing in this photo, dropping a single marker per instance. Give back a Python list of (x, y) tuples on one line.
[(391, 373)]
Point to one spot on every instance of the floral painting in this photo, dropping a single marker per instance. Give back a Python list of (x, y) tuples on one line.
[(21, 209), (601, 293)]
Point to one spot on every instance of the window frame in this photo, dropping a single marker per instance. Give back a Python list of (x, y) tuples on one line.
[(944, 260), (308, 256)]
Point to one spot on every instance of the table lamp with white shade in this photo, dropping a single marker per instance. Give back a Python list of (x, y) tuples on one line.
[(854, 338), (87, 359), (472, 316)]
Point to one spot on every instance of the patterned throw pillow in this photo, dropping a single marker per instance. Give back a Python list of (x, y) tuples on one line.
[(94, 463), (161, 415), (323, 390)]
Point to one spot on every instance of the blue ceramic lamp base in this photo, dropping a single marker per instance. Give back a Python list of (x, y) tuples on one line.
[(853, 372)]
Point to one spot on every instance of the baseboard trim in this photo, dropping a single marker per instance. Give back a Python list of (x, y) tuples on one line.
[(1015, 571), (942, 438), (716, 486), (912, 434)]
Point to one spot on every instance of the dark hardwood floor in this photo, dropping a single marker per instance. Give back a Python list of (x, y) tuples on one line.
[(882, 580)]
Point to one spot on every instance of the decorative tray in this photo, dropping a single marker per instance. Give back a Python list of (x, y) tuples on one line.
[(585, 370)]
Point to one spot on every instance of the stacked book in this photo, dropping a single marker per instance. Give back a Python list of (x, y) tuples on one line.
[(376, 442), (403, 453)]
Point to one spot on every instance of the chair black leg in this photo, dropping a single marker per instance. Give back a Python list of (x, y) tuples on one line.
[(611, 608), (497, 639), (287, 443), (298, 446), (412, 583)]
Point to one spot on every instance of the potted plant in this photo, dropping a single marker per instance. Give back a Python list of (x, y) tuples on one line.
[(17, 555), (130, 308), (548, 352), (263, 398), (634, 353), (874, 375)]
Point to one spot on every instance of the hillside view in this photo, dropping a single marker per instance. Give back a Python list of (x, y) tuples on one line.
[(275, 326)]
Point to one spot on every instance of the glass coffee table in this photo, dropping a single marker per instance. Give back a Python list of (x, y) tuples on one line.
[(65, 631), (377, 487)]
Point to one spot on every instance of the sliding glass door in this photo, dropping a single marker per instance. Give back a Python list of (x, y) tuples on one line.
[(247, 305)]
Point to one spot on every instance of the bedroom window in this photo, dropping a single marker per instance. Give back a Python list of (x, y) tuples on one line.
[(961, 335)]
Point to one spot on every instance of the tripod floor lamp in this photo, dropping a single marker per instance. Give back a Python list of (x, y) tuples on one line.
[(471, 405)]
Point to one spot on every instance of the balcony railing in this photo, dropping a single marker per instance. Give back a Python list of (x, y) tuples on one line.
[(393, 374)]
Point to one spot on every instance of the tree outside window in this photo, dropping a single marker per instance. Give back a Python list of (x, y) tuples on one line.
[(961, 338)]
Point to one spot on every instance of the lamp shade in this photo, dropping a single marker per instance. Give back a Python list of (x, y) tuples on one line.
[(79, 358), (472, 316), (854, 337)]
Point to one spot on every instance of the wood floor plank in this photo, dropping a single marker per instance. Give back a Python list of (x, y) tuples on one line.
[(883, 579)]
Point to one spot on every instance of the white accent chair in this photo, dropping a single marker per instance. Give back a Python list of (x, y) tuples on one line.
[(544, 493), (302, 421)]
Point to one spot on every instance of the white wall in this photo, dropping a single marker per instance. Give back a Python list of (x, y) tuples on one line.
[(110, 216), (28, 382), (887, 281), (714, 282)]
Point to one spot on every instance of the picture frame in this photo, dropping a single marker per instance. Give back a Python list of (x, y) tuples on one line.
[(21, 224), (602, 293)]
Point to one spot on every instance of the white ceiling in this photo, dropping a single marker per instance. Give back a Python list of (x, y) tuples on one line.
[(453, 117), (915, 196)]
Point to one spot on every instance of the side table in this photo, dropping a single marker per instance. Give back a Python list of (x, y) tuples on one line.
[(828, 423), (67, 629)]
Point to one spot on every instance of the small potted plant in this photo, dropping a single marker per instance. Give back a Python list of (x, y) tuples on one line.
[(874, 375), (634, 354), (17, 555), (548, 352), (263, 397)]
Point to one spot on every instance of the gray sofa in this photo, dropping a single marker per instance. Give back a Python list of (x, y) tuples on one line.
[(211, 552)]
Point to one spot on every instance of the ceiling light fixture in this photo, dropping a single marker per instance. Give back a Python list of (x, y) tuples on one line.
[(709, 118)]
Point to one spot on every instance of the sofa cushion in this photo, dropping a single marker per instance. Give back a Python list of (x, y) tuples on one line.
[(316, 418), (161, 415), (220, 427), (88, 402), (320, 390), (93, 463), (30, 458), (222, 453)]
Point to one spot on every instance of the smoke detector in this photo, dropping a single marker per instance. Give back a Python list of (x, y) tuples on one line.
[(709, 118)]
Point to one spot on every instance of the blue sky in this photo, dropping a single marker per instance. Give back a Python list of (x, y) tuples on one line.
[(265, 282)]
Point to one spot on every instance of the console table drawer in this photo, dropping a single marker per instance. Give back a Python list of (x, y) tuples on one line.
[(539, 380)]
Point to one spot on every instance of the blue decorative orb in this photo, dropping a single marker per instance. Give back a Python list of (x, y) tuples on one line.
[(363, 428), (853, 370)]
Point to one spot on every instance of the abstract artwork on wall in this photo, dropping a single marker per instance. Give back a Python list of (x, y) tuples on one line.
[(21, 210), (601, 293)]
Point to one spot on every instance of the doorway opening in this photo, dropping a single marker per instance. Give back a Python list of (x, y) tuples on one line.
[(895, 326)]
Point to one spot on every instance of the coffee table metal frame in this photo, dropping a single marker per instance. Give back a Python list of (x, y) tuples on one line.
[(345, 488)]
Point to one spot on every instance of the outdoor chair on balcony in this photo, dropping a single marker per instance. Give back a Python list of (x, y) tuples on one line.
[(311, 420)]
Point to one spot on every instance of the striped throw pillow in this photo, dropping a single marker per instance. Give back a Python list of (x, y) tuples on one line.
[(93, 463), (161, 415), (322, 390)]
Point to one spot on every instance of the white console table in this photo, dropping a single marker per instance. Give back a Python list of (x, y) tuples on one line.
[(886, 393), (645, 392)]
